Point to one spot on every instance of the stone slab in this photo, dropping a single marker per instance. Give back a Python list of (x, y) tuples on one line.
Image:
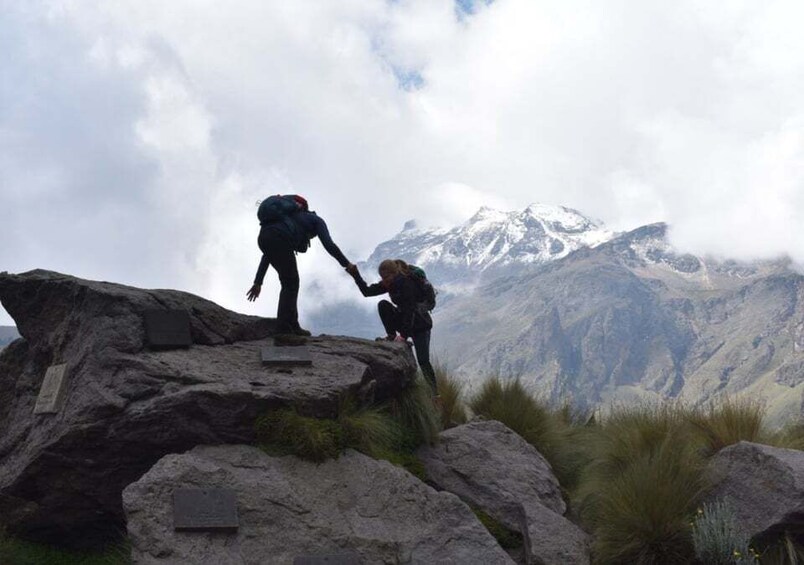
[(51, 394), (341, 558), (167, 329), (273, 356), (205, 510)]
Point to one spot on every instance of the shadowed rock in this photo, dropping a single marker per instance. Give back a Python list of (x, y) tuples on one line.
[(765, 487), (124, 407), (289, 508), (492, 468)]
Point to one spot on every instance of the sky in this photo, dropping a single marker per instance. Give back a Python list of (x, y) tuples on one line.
[(136, 137)]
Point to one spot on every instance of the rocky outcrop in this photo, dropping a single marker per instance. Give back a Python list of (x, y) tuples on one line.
[(492, 468), (289, 508), (126, 406), (765, 487)]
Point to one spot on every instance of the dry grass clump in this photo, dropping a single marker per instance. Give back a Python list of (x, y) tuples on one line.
[(729, 421), (450, 392)]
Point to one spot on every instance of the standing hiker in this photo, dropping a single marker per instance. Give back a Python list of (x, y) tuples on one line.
[(409, 316), (287, 226)]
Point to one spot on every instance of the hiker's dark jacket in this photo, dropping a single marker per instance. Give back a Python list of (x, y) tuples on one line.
[(406, 294), (312, 226)]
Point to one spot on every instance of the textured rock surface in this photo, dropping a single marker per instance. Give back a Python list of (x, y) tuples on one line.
[(765, 487), (126, 406), (492, 468), (288, 507)]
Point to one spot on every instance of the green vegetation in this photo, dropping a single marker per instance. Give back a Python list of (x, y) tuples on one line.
[(392, 431), (717, 539), (16, 552), (450, 392)]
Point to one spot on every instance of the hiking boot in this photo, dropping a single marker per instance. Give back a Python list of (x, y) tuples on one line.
[(298, 330)]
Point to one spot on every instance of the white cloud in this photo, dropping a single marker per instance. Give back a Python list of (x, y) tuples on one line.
[(135, 136)]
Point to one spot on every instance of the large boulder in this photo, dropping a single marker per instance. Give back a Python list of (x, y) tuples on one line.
[(765, 487), (125, 406), (288, 508), (492, 468)]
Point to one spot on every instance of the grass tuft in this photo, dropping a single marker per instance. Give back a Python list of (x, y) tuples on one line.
[(728, 421), (450, 391), (414, 410)]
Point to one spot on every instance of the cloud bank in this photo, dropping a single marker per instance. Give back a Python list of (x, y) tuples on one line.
[(136, 136)]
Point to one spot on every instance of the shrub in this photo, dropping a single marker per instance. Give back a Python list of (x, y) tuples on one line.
[(717, 538), (450, 391), (728, 421)]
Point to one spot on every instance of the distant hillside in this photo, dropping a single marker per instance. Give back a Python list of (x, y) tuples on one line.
[(7, 335)]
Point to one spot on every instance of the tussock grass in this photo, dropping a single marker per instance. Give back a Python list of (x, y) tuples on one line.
[(450, 391), (391, 431), (415, 412), (729, 421)]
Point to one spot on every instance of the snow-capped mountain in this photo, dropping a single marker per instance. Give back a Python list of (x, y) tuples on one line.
[(492, 242), (581, 313)]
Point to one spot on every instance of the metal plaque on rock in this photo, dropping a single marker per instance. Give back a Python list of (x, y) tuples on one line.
[(205, 510), (342, 558), (51, 394), (273, 356), (167, 329)]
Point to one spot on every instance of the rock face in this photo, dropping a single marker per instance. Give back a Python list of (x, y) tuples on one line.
[(126, 406), (289, 508), (765, 487), (492, 468)]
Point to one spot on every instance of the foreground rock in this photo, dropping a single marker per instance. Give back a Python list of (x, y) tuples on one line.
[(492, 468), (126, 406), (765, 487), (289, 508)]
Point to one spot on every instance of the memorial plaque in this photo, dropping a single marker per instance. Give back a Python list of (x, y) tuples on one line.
[(205, 510), (286, 356), (167, 329), (51, 394), (342, 558)]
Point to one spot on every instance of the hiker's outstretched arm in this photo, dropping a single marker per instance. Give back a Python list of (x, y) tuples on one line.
[(367, 290), (261, 270), (326, 240)]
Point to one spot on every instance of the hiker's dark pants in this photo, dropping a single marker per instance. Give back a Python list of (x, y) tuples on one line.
[(281, 257), (391, 320)]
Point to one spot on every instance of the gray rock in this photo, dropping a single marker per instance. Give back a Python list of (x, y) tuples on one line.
[(492, 468), (290, 508), (764, 485), (126, 406), (551, 539)]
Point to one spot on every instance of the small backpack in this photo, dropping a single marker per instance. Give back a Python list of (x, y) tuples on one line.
[(282, 208), (426, 288)]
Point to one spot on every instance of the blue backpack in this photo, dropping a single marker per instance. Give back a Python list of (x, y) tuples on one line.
[(283, 208)]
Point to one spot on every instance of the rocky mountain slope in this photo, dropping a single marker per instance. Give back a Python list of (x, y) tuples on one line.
[(609, 317)]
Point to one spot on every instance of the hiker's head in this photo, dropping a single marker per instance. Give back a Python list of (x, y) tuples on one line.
[(388, 269), (302, 202)]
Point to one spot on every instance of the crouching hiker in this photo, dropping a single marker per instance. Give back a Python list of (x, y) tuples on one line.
[(409, 316), (287, 226)]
